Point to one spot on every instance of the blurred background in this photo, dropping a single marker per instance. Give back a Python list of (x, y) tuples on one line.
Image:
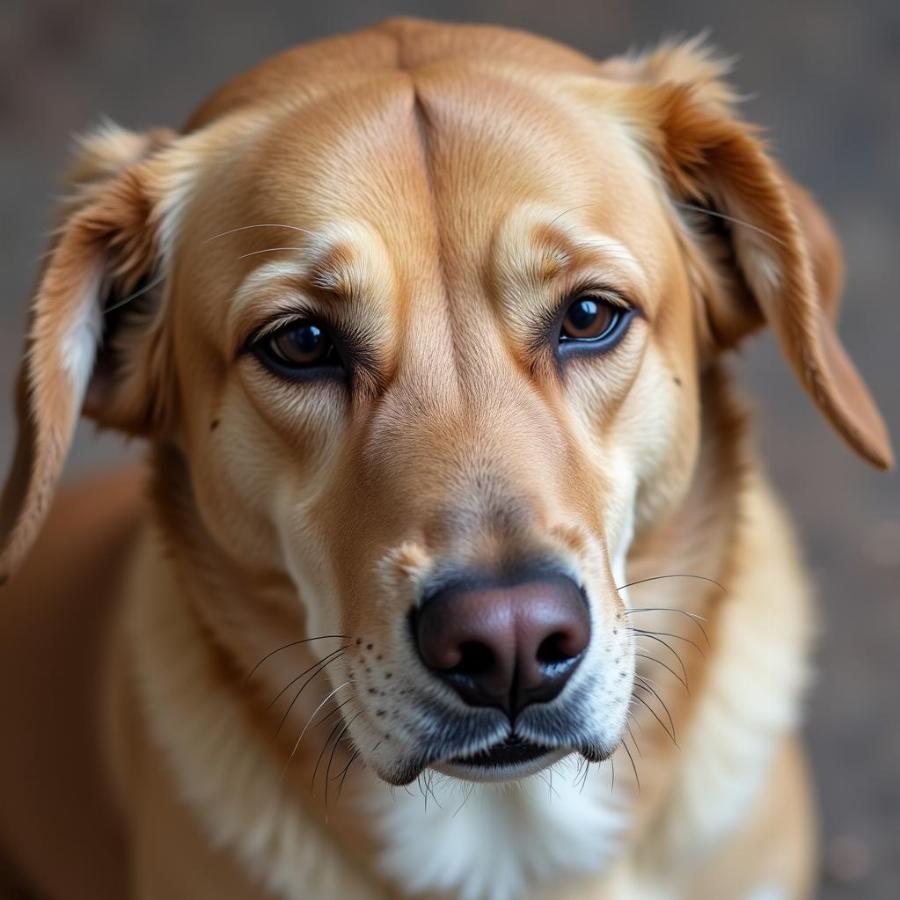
[(822, 76)]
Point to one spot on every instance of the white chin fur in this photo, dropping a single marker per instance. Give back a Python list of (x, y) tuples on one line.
[(482, 841)]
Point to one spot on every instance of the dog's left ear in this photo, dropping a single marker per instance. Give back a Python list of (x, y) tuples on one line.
[(784, 260), (82, 353)]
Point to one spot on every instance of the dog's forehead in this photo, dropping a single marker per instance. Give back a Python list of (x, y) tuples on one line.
[(444, 179), (462, 144)]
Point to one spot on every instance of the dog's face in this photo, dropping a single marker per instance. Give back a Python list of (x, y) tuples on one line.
[(442, 379), (429, 346)]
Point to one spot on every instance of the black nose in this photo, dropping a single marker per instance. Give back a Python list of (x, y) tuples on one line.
[(508, 645)]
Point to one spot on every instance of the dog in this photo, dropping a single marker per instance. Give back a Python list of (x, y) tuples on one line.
[(452, 571)]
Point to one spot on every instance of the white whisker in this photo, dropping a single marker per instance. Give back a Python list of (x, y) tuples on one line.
[(727, 218), (268, 250), (314, 714), (260, 225)]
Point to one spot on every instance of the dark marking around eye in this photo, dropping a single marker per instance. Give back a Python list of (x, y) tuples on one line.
[(590, 322)]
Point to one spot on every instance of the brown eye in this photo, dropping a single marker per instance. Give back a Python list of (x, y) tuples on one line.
[(587, 318), (593, 323), (297, 348), (301, 345)]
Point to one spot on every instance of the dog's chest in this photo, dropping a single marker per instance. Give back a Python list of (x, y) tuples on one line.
[(487, 842)]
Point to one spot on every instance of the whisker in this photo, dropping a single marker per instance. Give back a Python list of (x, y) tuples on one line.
[(314, 713), (334, 747), (584, 776), (669, 634), (547, 778), (429, 786), (667, 667), (344, 773), (321, 637), (331, 734), (268, 250), (156, 282), (637, 722), (566, 212), (335, 711), (634, 741), (674, 575), (697, 620), (718, 215), (465, 800), (655, 716), (648, 687), (260, 225), (296, 696), (633, 766), (671, 649), (671, 609), (322, 662)]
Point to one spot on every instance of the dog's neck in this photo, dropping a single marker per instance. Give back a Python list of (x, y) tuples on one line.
[(231, 617)]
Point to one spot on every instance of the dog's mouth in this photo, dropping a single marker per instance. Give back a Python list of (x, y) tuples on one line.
[(514, 757), (508, 759), (512, 751)]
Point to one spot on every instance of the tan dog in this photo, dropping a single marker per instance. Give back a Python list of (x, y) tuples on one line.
[(447, 488)]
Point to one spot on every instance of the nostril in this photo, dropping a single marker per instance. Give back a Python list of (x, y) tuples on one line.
[(475, 659), (554, 649)]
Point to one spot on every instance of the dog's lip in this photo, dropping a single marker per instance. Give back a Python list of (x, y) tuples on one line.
[(508, 758), (511, 751)]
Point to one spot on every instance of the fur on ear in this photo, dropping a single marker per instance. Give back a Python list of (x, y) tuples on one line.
[(105, 247), (783, 264)]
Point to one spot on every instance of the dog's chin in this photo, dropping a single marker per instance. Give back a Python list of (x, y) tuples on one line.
[(506, 760)]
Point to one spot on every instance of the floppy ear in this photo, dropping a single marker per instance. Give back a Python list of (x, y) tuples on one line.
[(104, 250), (784, 260)]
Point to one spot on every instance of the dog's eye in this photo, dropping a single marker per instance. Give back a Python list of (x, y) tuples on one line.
[(593, 322), (302, 347)]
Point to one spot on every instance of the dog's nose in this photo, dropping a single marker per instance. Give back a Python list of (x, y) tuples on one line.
[(508, 645)]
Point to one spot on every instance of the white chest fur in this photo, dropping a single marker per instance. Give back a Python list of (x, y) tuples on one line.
[(494, 842)]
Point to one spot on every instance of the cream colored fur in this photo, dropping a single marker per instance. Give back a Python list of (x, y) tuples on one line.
[(207, 668)]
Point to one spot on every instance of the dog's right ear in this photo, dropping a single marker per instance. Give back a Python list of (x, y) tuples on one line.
[(105, 252), (772, 257)]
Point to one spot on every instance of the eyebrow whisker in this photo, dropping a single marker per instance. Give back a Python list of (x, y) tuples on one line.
[(566, 212), (259, 225), (268, 250)]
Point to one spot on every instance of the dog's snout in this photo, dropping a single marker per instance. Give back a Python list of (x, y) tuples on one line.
[(508, 645)]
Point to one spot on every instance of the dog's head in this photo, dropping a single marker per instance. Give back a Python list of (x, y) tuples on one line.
[(424, 310)]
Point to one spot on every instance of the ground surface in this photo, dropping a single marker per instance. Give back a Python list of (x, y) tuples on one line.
[(823, 76)]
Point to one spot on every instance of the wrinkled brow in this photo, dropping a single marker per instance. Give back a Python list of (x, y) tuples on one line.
[(535, 248), (344, 265)]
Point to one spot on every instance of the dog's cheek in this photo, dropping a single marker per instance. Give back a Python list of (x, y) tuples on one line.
[(253, 476), (232, 484), (661, 436)]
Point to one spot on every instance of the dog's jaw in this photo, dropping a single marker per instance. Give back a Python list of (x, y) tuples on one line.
[(491, 842)]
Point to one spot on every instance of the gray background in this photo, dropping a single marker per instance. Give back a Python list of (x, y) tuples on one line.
[(824, 77)]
